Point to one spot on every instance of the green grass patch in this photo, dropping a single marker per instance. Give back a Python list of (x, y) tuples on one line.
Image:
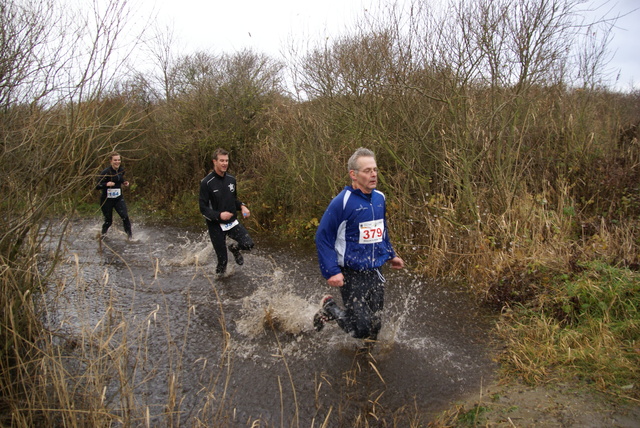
[(473, 417), (585, 326)]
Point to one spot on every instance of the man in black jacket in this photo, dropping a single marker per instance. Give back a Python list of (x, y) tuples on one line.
[(219, 204)]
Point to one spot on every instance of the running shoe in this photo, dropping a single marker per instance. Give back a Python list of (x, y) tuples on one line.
[(324, 314)]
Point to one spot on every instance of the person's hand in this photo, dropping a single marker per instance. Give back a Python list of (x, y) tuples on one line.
[(225, 215), (245, 211), (125, 184), (397, 263), (110, 184), (336, 280)]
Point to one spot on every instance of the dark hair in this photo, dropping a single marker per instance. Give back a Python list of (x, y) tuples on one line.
[(218, 152), (112, 154)]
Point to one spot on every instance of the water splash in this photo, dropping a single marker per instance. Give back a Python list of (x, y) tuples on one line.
[(193, 252), (428, 351), (275, 306)]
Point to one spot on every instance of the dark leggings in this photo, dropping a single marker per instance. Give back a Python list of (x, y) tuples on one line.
[(363, 298), (108, 205), (218, 239)]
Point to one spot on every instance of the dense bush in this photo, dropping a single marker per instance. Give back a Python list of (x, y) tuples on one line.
[(504, 160)]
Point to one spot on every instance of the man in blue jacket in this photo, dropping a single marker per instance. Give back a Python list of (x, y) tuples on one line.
[(218, 205), (352, 241)]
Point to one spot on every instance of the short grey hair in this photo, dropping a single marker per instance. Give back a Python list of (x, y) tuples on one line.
[(361, 152)]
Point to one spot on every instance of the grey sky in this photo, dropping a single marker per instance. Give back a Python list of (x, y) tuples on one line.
[(270, 25)]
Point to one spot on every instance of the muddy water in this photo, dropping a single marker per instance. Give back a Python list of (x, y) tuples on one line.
[(240, 350)]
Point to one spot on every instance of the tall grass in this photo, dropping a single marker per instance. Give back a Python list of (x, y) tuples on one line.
[(584, 324), (89, 363), (502, 167), (499, 170)]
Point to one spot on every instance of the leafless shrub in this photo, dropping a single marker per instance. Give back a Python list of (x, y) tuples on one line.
[(53, 130)]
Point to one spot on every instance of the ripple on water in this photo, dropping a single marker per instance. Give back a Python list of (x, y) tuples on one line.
[(254, 327)]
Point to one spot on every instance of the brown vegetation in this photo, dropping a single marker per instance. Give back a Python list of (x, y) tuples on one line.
[(504, 162)]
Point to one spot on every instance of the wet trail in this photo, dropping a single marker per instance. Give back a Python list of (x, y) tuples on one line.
[(240, 349)]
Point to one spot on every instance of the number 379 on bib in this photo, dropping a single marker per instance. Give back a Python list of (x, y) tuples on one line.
[(371, 231)]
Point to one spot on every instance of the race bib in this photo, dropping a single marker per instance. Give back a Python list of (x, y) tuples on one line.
[(114, 193), (229, 226), (371, 232)]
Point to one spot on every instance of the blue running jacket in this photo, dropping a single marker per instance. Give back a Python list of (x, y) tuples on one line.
[(353, 233)]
